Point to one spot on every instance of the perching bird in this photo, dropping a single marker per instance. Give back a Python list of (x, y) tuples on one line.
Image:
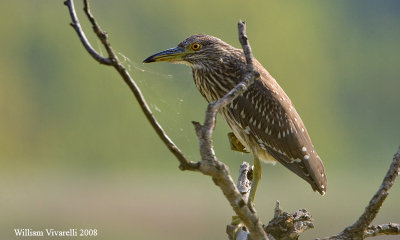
[(263, 119)]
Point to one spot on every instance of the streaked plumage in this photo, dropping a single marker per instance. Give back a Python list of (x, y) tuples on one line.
[(263, 118)]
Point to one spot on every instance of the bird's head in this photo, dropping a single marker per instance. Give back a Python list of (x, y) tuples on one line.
[(196, 50)]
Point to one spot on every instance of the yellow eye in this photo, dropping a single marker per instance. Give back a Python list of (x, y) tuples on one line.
[(196, 46)]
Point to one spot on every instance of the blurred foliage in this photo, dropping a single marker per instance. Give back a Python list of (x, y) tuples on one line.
[(76, 151)]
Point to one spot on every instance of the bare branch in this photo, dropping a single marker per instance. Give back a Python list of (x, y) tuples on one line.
[(376, 202), (361, 229), (113, 61)]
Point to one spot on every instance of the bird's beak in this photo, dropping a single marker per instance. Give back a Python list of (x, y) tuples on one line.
[(170, 55)]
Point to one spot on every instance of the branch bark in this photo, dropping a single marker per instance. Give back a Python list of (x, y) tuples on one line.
[(283, 225), (383, 229), (286, 226)]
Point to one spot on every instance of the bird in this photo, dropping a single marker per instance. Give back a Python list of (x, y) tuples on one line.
[(263, 119)]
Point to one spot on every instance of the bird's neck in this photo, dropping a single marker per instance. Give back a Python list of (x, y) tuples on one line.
[(216, 79)]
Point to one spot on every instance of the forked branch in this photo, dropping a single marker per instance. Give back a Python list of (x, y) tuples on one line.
[(112, 60)]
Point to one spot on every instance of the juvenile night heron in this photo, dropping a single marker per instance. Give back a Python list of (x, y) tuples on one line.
[(263, 119)]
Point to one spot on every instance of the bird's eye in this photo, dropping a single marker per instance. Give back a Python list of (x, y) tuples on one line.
[(196, 46)]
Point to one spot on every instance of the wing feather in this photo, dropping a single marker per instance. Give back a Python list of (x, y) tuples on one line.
[(268, 116)]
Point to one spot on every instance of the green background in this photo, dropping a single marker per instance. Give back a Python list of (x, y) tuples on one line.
[(77, 152)]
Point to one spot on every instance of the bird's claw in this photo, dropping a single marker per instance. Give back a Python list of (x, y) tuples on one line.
[(236, 145)]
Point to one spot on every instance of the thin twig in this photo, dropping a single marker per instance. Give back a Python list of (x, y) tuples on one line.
[(100, 33), (77, 26)]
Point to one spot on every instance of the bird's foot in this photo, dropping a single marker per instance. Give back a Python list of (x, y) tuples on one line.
[(236, 145), (239, 225)]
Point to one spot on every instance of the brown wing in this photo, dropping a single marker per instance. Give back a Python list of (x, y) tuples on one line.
[(266, 113)]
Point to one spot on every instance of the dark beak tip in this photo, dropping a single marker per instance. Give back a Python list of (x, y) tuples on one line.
[(165, 56), (149, 60)]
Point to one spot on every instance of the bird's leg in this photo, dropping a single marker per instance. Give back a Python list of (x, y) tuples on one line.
[(256, 178), (236, 145)]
